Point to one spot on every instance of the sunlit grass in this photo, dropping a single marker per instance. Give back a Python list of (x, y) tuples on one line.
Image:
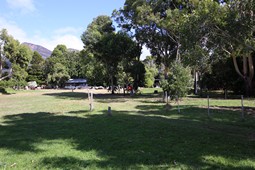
[(54, 129)]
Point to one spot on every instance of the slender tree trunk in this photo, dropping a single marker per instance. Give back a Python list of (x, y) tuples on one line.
[(251, 67), (195, 82), (1, 64), (251, 74), (178, 58), (201, 85), (112, 84), (248, 86), (124, 90), (236, 67)]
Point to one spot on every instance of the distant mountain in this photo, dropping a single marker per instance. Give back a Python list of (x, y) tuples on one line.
[(44, 52)]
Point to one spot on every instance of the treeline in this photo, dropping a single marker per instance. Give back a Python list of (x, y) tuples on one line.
[(20, 65), (111, 60), (211, 40), (214, 38)]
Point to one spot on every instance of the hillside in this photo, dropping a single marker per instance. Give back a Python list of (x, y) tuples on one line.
[(44, 52)]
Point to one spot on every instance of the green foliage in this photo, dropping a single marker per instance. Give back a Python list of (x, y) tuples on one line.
[(62, 65), (35, 70), (107, 52), (149, 77), (112, 49), (219, 77), (6, 84), (24, 57), (12, 83), (178, 82), (123, 77), (58, 75), (93, 70), (151, 71), (59, 54), (199, 33), (74, 64), (100, 26), (137, 70), (19, 73), (17, 53), (149, 19)]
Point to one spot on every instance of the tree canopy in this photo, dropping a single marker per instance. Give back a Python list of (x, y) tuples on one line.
[(198, 33)]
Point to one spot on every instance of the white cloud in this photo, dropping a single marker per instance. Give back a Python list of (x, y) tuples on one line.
[(71, 41), (12, 29), (65, 36), (24, 5), (67, 30)]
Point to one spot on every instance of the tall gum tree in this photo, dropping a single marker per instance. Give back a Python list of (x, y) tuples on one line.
[(3, 40), (108, 47), (18, 54), (148, 19), (214, 26)]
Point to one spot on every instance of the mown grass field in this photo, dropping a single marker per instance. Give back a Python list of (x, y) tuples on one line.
[(53, 129)]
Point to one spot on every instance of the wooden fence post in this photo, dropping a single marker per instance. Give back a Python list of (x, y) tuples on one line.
[(208, 105), (179, 111), (242, 115), (90, 97), (109, 112)]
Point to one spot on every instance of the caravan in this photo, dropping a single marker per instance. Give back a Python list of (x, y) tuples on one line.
[(76, 84)]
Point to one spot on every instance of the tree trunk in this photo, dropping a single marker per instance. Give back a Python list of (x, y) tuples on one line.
[(112, 84), (1, 65), (236, 66), (195, 82), (124, 90), (248, 86), (248, 72)]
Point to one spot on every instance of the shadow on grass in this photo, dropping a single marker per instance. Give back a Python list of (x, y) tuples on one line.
[(69, 95), (67, 162), (220, 114), (4, 91), (216, 95), (127, 140), (101, 98), (79, 112)]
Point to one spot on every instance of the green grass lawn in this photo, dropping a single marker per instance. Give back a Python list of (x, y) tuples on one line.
[(53, 129)]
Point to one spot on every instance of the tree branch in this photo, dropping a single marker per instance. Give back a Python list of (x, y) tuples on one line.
[(9, 75), (245, 69), (234, 38), (236, 67), (251, 67)]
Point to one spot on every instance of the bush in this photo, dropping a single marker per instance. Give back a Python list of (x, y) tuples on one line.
[(149, 76), (3, 90), (179, 81), (12, 83)]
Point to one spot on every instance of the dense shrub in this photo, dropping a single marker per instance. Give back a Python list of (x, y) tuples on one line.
[(179, 81)]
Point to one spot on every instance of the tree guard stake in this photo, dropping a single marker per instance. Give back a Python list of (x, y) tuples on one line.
[(208, 103), (90, 96), (242, 107)]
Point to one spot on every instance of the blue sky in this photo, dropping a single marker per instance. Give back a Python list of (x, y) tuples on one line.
[(52, 22)]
